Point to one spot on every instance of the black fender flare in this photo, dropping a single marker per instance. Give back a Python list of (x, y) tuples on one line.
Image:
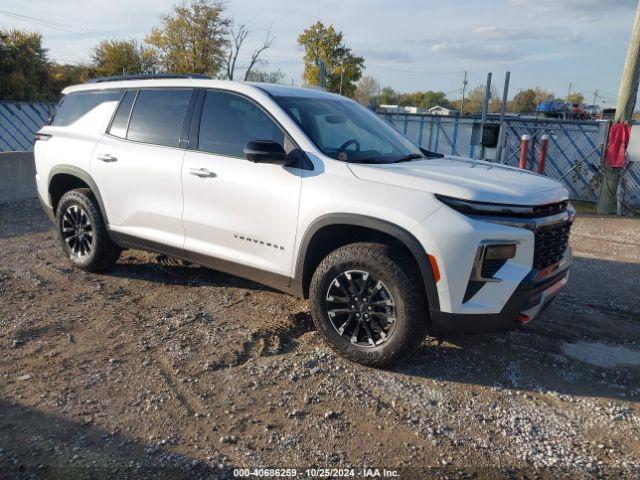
[(82, 175), (391, 229)]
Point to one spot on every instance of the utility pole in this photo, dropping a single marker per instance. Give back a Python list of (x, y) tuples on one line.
[(464, 89), (485, 107), (624, 112), (569, 92), (503, 111), (595, 96)]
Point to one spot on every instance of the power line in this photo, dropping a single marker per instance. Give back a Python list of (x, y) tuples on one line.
[(78, 30)]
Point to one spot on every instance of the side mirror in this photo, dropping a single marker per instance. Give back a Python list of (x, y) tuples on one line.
[(265, 151)]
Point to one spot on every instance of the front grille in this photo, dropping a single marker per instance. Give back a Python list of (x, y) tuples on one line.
[(550, 209), (551, 243)]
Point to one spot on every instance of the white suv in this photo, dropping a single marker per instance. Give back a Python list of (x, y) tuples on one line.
[(309, 193)]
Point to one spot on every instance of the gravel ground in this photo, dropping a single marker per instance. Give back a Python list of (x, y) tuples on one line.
[(160, 370)]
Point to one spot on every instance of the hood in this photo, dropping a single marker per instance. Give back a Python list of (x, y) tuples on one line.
[(466, 179)]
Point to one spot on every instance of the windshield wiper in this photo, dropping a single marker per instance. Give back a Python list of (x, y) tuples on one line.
[(367, 160), (408, 158)]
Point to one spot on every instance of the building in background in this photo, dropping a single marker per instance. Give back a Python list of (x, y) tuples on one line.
[(438, 110)]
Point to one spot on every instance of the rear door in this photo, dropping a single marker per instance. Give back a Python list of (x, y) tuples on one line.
[(239, 216), (137, 165)]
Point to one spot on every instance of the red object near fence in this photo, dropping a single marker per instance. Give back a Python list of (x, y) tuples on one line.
[(544, 146), (618, 140), (524, 151)]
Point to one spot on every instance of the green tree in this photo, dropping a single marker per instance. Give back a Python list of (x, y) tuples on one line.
[(342, 67), (527, 101), (23, 66), (192, 39), (61, 76), (367, 90), (425, 100), (116, 57), (575, 97), (473, 102), (388, 96), (273, 76)]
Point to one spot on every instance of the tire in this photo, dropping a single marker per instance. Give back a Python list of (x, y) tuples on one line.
[(78, 216), (405, 302)]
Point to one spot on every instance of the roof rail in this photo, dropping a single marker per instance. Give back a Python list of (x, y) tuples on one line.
[(116, 78)]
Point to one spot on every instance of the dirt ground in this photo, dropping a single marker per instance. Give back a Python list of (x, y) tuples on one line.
[(158, 370)]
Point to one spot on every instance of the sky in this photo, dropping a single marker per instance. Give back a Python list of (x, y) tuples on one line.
[(407, 44)]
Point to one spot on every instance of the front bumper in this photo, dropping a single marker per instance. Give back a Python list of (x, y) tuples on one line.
[(530, 299)]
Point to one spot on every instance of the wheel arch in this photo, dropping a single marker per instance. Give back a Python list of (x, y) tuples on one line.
[(335, 230), (64, 178)]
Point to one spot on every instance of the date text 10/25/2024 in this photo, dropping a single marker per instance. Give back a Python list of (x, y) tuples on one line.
[(315, 472)]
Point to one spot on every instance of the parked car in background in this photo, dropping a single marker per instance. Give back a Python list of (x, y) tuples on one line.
[(577, 111), (592, 111), (553, 108)]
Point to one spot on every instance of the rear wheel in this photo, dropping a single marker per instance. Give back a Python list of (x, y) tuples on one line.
[(82, 232), (367, 301)]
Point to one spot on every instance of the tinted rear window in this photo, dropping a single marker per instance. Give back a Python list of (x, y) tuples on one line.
[(75, 105), (121, 118), (157, 116)]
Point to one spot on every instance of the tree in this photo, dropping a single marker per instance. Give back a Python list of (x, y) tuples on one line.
[(23, 66), (274, 76), (367, 90), (117, 57), (61, 76), (343, 68), (473, 102), (235, 42), (425, 100), (388, 96), (192, 39), (575, 97), (527, 101)]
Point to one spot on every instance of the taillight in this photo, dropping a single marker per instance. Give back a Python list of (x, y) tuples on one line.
[(42, 137)]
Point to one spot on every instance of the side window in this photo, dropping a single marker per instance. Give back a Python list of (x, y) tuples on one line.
[(230, 121), (157, 116), (121, 118), (76, 105)]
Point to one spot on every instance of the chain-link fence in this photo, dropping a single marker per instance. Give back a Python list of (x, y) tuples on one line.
[(574, 156), (19, 121)]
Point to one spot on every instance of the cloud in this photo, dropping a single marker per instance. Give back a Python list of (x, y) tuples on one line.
[(487, 52), (494, 32), (586, 10)]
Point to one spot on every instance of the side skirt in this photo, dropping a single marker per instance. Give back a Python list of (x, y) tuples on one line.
[(272, 280)]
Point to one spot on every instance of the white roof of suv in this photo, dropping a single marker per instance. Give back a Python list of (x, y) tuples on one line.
[(270, 88)]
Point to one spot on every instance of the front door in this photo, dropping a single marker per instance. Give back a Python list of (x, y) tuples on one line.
[(239, 216)]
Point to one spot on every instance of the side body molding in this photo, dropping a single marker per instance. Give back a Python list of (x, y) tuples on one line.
[(399, 233)]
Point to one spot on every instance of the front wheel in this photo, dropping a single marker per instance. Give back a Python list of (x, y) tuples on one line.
[(367, 302)]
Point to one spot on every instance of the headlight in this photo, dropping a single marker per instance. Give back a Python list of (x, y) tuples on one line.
[(470, 207)]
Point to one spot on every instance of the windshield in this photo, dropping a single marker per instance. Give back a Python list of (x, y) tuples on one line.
[(346, 131)]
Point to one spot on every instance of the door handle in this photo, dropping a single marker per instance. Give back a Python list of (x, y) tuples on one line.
[(202, 172), (107, 157)]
